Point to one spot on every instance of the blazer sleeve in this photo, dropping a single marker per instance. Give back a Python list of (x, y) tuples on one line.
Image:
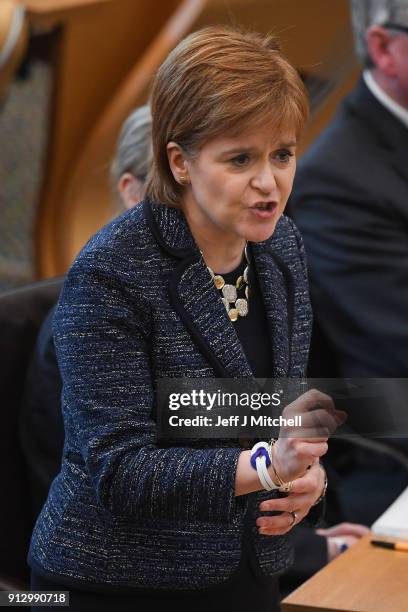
[(310, 552), (102, 333)]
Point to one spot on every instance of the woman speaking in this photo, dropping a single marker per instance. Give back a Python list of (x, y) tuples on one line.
[(206, 279)]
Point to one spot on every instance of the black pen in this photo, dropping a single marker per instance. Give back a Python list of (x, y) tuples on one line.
[(401, 546)]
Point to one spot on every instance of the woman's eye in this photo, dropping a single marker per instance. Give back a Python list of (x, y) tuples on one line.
[(240, 160), (284, 156)]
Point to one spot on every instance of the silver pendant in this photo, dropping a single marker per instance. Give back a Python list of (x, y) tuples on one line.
[(229, 292), (242, 306)]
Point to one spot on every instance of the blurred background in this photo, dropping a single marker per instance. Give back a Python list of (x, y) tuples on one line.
[(72, 70)]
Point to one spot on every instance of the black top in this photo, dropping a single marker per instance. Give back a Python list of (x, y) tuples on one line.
[(252, 329)]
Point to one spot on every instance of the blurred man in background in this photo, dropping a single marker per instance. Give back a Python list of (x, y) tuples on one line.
[(350, 202)]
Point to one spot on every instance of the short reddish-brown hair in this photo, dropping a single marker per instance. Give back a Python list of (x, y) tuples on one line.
[(219, 81)]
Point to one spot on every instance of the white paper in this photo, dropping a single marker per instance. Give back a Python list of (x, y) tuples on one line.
[(394, 521)]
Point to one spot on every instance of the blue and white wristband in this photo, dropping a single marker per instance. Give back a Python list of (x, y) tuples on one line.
[(260, 461)]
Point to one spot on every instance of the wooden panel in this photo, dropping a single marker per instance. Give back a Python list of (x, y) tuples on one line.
[(10, 64), (325, 113), (106, 54), (315, 35), (307, 29), (47, 10), (47, 7), (88, 199), (98, 44), (364, 579)]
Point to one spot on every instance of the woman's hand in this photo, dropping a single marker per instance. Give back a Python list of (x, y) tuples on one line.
[(297, 448), (304, 494)]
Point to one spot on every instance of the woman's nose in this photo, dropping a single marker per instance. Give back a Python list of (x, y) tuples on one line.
[(264, 180)]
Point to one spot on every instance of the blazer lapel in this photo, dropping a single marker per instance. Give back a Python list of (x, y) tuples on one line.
[(194, 296), (276, 288), (198, 302)]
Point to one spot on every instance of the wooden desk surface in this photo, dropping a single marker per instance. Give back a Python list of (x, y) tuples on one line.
[(363, 579)]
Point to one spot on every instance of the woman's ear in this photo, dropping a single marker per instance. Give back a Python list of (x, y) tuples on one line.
[(130, 189), (178, 163)]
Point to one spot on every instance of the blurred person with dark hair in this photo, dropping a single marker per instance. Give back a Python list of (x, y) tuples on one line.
[(41, 424)]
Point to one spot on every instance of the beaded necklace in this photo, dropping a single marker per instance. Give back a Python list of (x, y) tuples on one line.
[(234, 297)]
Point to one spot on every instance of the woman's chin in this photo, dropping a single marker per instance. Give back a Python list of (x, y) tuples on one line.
[(261, 233)]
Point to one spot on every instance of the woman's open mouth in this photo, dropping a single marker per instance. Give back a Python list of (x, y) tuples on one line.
[(264, 210)]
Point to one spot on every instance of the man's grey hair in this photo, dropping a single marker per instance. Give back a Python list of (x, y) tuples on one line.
[(134, 149), (366, 13)]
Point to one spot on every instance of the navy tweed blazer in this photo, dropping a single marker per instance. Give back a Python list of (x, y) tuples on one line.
[(126, 512)]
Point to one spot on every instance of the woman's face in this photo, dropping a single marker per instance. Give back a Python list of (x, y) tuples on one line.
[(239, 185)]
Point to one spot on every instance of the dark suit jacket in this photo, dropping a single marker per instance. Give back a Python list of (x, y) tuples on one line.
[(127, 511), (21, 312), (41, 424), (350, 202)]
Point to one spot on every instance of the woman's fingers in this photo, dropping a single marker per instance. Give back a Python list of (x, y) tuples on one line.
[(311, 483), (297, 447), (278, 525), (310, 450), (317, 410), (314, 423), (282, 523), (305, 491), (308, 401), (285, 504)]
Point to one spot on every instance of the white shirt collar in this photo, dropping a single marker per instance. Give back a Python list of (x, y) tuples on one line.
[(396, 109)]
